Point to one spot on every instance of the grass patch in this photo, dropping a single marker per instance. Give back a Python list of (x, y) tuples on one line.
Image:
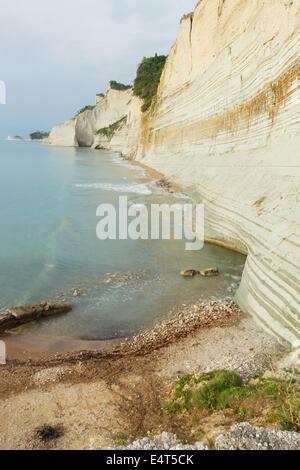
[(120, 439), (110, 131), (273, 400)]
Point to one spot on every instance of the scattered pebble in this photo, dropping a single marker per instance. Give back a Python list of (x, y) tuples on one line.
[(53, 374), (190, 318)]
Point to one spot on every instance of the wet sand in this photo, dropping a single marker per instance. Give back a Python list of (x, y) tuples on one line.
[(37, 347), (155, 175)]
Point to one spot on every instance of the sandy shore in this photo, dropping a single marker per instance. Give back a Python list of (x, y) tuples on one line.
[(99, 398), (154, 175)]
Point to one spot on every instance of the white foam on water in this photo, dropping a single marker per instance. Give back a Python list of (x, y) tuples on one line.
[(50, 266), (119, 188), (122, 161)]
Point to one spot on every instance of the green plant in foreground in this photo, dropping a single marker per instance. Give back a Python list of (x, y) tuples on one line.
[(273, 400), (242, 412), (120, 439), (214, 391)]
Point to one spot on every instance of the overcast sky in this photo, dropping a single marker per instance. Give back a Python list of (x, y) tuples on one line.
[(56, 55)]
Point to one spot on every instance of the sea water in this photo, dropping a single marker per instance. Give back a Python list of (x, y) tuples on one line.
[(49, 247)]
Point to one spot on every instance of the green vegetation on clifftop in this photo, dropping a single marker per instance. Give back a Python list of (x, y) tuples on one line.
[(119, 86), (148, 78), (39, 135), (85, 108)]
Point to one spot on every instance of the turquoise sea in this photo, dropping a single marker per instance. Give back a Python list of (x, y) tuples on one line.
[(49, 248)]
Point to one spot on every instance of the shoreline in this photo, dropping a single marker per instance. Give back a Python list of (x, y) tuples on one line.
[(37, 347), (70, 349), (40, 347), (177, 324), (102, 397), (153, 174)]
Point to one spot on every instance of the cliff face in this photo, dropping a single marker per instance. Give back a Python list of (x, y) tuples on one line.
[(82, 129), (226, 126)]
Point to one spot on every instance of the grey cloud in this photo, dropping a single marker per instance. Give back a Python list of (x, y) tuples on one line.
[(56, 55)]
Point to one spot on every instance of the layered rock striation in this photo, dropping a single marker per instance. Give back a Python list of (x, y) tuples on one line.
[(226, 127)]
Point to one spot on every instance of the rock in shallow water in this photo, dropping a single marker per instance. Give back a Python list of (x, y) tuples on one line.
[(55, 307), (19, 315), (45, 309), (6, 321), (26, 313), (188, 273), (244, 436), (210, 272)]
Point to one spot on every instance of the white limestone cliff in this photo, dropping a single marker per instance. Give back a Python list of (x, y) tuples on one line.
[(226, 127), (82, 129), (63, 134)]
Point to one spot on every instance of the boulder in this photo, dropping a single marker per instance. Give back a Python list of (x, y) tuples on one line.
[(55, 307), (189, 273), (210, 272), (26, 313), (6, 321)]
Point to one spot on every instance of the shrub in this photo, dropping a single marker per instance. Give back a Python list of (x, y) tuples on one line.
[(85, 108), (39, 135), (218, 382), (119, 86), (110, 131), (148, 78)]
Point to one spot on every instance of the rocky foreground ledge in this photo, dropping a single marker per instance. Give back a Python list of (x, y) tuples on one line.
[(242, 436)]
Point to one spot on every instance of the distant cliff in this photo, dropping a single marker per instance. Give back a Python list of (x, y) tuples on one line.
[(82, 129), (13, 137), (225, 125)]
